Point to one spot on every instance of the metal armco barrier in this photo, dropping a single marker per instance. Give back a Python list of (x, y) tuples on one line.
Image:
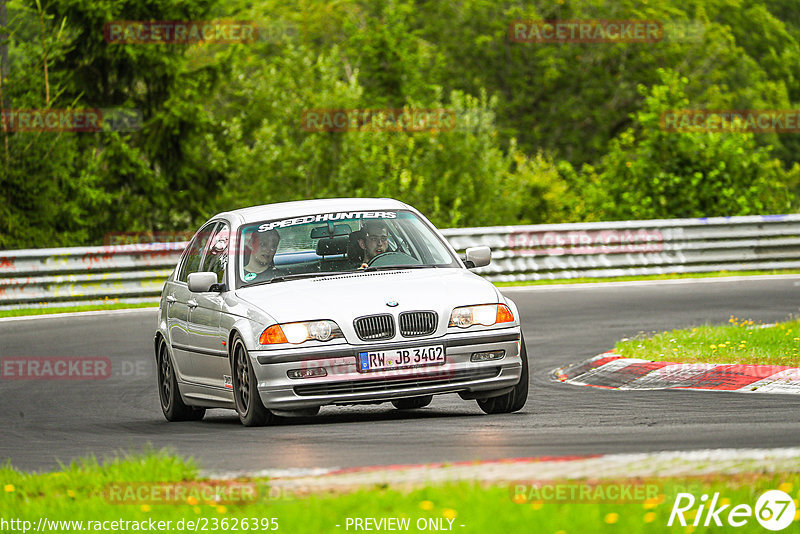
[(56, 277), (607, 249), (60, 276)]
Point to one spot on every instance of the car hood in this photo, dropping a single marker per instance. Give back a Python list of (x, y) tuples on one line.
[(344, 297)]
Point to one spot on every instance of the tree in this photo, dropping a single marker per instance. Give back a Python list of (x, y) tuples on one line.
[(652, 173)]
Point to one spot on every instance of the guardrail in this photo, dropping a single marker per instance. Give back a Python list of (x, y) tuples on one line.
[(136, 273), (85, 275), (623, 248)]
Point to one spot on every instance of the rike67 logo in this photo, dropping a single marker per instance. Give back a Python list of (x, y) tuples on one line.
[(774, 510)]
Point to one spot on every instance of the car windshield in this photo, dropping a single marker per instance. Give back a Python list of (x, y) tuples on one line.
[(332, 243)]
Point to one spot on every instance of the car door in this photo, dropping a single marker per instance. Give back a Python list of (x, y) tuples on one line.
[(178, 301), (206, 339)]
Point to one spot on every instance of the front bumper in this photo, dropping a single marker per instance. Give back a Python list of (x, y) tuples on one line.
[(344, 384)]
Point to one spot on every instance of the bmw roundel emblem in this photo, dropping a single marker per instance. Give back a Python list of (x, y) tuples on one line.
[(391, 303)]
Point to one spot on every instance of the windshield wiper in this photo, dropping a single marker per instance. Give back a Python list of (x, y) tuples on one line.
[(389, 267), (296, 276)]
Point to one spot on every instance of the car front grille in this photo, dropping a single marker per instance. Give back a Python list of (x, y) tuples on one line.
[(418, 323), (377, 385), (375, 327)]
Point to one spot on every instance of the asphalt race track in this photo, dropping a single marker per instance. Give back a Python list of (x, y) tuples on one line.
[(44, 422)]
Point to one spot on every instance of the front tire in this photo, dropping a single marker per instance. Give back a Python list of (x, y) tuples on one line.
[(245, 389), (171, 402), (412, 403), (515, 399)]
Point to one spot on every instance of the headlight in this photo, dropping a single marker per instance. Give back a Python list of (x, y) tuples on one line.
[(297, 333), (485, 314)]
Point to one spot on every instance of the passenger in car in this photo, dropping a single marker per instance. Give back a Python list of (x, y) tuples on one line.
[(354, 254), (263, 246)]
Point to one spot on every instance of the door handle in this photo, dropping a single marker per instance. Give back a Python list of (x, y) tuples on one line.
[(170, 299), (191, 303)]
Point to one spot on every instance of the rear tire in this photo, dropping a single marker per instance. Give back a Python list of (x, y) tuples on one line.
[(412, 403), (245, 388), (515, 399), (171, 402)]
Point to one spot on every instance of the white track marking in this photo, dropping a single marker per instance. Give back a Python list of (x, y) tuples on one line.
[(94, 313), (638, 283), (657, 464)]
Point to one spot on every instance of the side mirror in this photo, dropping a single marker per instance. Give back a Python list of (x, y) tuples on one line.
[(201, 282), (478, 257)]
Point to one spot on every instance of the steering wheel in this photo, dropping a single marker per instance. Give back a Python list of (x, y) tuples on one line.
[(393, 258)]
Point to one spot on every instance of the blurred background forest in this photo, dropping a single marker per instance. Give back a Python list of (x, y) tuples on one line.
[(567, 132)]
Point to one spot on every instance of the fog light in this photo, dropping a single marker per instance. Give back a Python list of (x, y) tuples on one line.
[(487, 356), (307, 373)]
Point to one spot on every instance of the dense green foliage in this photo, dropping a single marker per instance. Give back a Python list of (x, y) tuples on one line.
[(556, 132)]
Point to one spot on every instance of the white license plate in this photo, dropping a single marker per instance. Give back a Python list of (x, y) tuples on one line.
[(380, 360)]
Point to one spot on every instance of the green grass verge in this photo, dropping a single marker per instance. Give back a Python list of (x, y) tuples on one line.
[(740, 342), (79, 493), (72, 309), (670, 276)]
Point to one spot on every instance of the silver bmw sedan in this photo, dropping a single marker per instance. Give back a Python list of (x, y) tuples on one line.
[(280, 309)]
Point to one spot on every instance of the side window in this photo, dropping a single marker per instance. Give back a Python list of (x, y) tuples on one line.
[(194, 252), (216, 258)]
